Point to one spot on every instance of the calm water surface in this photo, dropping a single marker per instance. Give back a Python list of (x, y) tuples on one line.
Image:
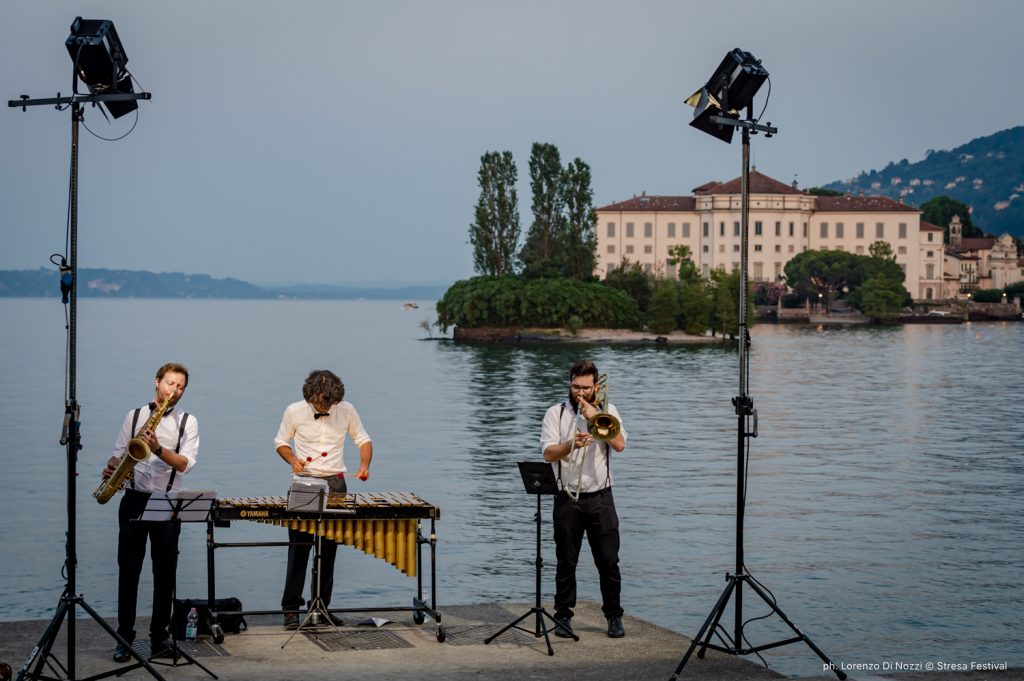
[(884, 500)]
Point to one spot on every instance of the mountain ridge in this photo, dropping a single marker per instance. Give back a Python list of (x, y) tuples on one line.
[(111, 283), (986, 173)]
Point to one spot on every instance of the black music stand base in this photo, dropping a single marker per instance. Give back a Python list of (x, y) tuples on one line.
[(539, 479), (188, 507), (317, 608)]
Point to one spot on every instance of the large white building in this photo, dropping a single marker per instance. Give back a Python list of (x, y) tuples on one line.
[(783, 221)]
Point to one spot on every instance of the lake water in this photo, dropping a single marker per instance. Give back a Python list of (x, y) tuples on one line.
[(884, 499)]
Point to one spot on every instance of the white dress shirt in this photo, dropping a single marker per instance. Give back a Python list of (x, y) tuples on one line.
[(320, 442), (558, 428), (152, 474)]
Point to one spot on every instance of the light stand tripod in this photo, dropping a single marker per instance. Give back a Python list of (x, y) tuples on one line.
[(538, 478), (42, 654), (745, 413)]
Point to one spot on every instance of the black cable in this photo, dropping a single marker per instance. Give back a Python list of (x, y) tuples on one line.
[(766, 98), (113, 139)]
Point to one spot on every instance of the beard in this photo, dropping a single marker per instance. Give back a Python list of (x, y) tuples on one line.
[(588, 396)]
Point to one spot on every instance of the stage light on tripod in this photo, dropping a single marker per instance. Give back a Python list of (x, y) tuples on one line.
[(731, 88), (100, 61)]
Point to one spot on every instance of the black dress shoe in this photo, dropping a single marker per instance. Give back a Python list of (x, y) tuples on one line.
[(564, 628), (615, 628), (160, 649), (122, 653), (291, 620), (335, 620)]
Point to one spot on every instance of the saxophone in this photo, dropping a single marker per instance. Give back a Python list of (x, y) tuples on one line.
[(136, 452)]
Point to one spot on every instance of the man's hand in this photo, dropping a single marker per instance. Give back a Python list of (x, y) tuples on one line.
[(363, 473), (588, 410), (111, 465), (298, 465), (583, 440), (150, 437)]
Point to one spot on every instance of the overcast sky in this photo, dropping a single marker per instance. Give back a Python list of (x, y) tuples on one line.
[(339, 142)]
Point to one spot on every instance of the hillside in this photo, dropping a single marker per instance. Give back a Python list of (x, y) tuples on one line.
[(986, 173), (105, 283)]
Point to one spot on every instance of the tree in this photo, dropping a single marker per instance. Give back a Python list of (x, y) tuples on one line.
[(725, 305), (695, 307), (546, 179), (881, 250), (495, 230), (579, 238), (881, 298), (680, 256), (664, 307), (822, 191), (823, 275), (632, 279), (940, 211)]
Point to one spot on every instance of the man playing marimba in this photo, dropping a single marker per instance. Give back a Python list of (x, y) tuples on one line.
[(311, 439)]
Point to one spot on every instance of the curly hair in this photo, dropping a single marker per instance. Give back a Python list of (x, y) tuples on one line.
[(323, 386)]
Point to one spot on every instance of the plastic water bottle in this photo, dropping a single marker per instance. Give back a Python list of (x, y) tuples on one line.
[(191, 625)]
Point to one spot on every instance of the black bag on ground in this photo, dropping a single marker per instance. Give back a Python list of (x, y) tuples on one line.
[(229, 624)]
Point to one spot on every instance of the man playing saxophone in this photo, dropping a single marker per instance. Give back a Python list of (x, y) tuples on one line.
[(577, 438), (172, 440)]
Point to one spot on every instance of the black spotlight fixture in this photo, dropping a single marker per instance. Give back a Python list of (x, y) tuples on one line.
[(100, 62), (731, 88)]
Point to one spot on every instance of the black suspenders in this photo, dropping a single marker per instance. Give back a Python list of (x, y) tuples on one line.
[(177, 448)]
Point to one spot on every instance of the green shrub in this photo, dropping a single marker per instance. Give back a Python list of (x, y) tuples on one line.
[(542, 303), (988, 295)]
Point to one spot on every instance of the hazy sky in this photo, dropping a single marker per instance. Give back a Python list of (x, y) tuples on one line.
[(339, 142)]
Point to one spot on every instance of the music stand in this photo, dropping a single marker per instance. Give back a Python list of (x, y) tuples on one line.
[(311, 496), (181, 506), (538, 479)]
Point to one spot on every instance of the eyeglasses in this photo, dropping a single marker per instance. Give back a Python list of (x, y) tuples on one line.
[(581, 388)]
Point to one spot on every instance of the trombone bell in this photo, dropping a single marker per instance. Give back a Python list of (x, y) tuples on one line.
[(603, 426)]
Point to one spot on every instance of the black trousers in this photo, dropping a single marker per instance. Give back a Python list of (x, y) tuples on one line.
[(131, 552), (298, 559), (593, 515)]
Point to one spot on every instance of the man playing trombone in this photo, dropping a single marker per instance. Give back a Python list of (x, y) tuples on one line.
[(577, 437)]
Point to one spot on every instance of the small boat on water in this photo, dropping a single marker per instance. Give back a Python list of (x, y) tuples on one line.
[(411, 306)]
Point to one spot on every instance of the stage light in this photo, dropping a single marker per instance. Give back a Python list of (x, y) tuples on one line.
[(731, 88), (100, 62)]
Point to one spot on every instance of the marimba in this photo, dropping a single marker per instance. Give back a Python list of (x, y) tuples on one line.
[(383, 524)]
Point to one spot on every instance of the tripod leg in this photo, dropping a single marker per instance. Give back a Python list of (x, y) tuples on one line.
[(810, 644), (709, 623), (508, 626), (110, 630), (42, 649)]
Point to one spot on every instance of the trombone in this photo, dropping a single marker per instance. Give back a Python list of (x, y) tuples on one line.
[(602, 426)]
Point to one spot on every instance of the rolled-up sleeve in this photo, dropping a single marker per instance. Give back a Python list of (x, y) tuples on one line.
[(286, 431), (551, 429), (190, 442), (356, 431)]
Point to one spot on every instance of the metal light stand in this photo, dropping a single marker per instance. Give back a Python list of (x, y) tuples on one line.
[(71, 434), (746, 416)]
